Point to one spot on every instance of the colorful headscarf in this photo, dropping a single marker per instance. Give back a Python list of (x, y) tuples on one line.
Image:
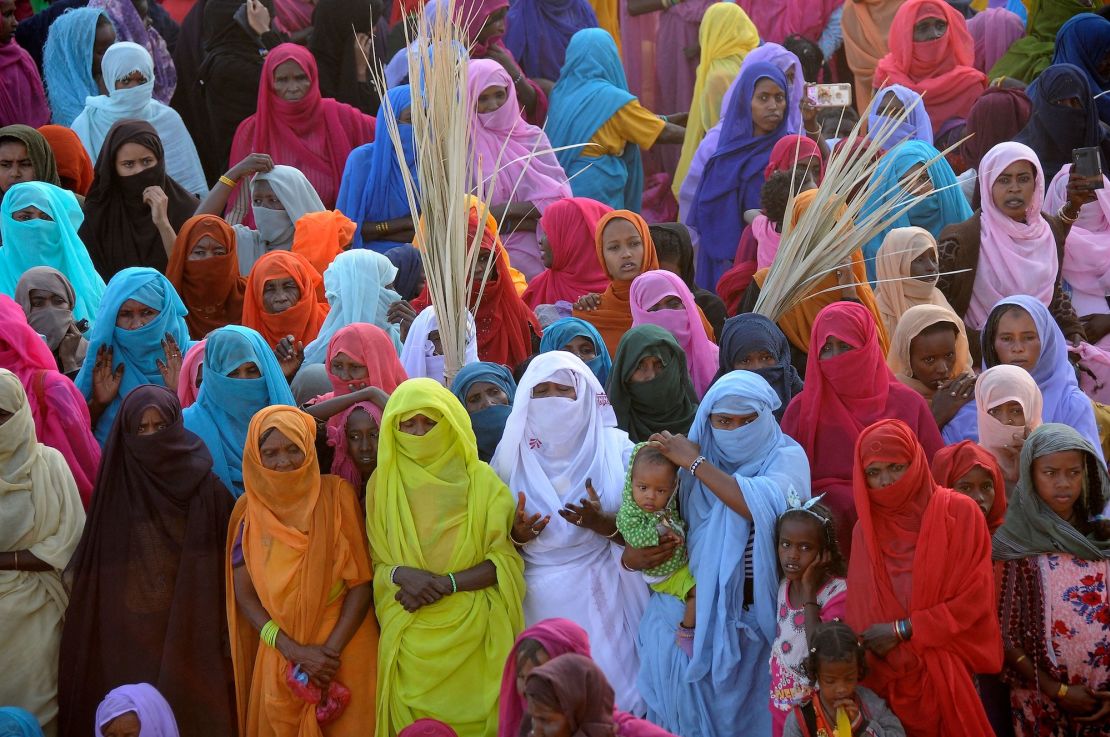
[(993, 31), (52, 322), (418, 354), (357, 288), (910, 325), (559, 333), (153, 711), (488, 423), (584, 696), (953, 462), (557, 637), (917, 126), (304, 319), (130, 27), (75, 168), (321, 236), (1029, 56), (895, 290), (997, 116), (1055, 129), (750, 332), (211, 288), (537, 33), (569, 227), (1085, 41), (67, 62), (38, 151), (667, 402)]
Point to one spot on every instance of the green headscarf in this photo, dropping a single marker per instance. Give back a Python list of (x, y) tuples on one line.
[(38, 150), (667, 402), (638, 528), (1031, 527), (1032, 54)]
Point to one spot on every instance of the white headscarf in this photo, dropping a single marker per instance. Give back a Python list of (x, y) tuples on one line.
[(418, 354), (275, 228), (356, 286), (137, 103)]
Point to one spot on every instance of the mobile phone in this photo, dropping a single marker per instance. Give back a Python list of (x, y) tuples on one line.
[(829, 95), (1088, 163)]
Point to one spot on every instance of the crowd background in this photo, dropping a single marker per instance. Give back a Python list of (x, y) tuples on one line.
[(239, 494)]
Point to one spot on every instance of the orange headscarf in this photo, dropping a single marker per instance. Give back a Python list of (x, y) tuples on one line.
[(797, 322), (75, 168), (302, 320), (304, 547), (321, 236), (211, 288), (613, 317), (866, 26), (923, 553)]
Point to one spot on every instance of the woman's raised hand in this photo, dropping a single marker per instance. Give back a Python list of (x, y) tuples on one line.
[(290, 355), (106, 381), (155, 198), (171, 367), (527, 528), (252, 164), (678, 449), (588, 302), (258, 17), (587, 513)]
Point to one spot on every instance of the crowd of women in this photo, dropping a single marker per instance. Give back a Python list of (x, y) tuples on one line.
[(242, 492)]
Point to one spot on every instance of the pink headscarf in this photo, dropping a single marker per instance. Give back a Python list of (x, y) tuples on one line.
[(342, 465), (1087, 254), (187, 388), (569, 227), (473, 15), (293, 15), (993, 30), (558, 637), (154, 712), (998, 385), (777, 19), (1014, 257), (685, 324), (427, 728), (517, 153), (22, 99), (314, 134), (58, 408)]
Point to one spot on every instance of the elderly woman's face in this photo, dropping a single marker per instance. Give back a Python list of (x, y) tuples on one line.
[(291, 81), (279, 453), (151, 422), (125, 725), (278, 295), (547, 723), (133, 315), (483, 394), (41, 299)]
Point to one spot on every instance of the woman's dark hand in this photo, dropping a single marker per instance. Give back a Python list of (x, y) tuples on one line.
[(419, 588), (1081, 191), (252, 164), (258, 17), (290, 356), (1078, 700), (1096, 327), (587, 513), (106, 382), (640, 559), (320, 662), (678, 449), (170, 369), (401, 313), (814, 576), (680, 119), (67, 349), (527, 528), (588, 302), (880, 638), (809, 114), (1103, 711), (155, 198), (951, 396)]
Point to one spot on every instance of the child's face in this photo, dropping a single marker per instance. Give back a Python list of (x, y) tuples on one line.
[(652, 485), (978, 483), (799, 545), (836, 683), (1058, 478)]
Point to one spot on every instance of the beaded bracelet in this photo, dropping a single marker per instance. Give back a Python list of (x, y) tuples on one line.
[(694, 466), (269, 632), (454, 584)]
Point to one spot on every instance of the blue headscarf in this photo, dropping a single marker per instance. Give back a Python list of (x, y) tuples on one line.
[(934, 213), (591, 89), (1085, 41), (410, 270), (225, 406), (52, 243), (562, 331), (916, 126), (537, 33), (733, 176), (750, 332), (1054, 130), (16, 722), (67, 63), (373, 188), (727, 674), (488, 423), (140, 350)]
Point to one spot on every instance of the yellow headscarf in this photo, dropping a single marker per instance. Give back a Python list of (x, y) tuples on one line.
[(431, 504), (726, 36)]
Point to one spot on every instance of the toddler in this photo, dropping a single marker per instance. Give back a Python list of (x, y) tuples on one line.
[(648, 513)]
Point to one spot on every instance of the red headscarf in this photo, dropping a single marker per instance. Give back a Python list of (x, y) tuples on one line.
[(940, 70), (923, 552), (842, 396), (75, 168), (302, 320), (789, 151), (569, 227), (372, 347), (613, 318), (211, 288), (558, 637), (313, 134), (472, 15), (953, 462), (59, 410), (505, 324)]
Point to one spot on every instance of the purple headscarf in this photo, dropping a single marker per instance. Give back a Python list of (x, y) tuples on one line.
[(993, 31), (155, 716), (130, 27), (773, 53), (538, 31)]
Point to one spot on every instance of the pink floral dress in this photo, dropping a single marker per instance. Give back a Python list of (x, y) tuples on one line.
[(1056, 608)]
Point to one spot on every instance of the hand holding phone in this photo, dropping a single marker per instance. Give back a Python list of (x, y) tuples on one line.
[(1088, 164)]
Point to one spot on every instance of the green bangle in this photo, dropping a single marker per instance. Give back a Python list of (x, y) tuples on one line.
[(268, 634), (454, 585)]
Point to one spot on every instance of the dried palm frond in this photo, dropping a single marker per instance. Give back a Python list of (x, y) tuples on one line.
[(834, 225)]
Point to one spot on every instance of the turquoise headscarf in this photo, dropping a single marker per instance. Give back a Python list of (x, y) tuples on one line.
[(137, 350), (53, 243), (940, 209), (16, 722), (559, 333), (225, 406), (591, 89), (67, 63), (488, 423)]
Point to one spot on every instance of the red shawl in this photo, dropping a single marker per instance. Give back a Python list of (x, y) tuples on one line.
[(923, 552), (940, 70), (313, 134), (953, 462), (22, 99), (842, 396), (569, 225)]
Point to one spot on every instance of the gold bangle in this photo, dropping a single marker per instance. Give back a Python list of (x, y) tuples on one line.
[(231, 183), (1020, 658), (382, 228), (1063, 690), (1064, 216)]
